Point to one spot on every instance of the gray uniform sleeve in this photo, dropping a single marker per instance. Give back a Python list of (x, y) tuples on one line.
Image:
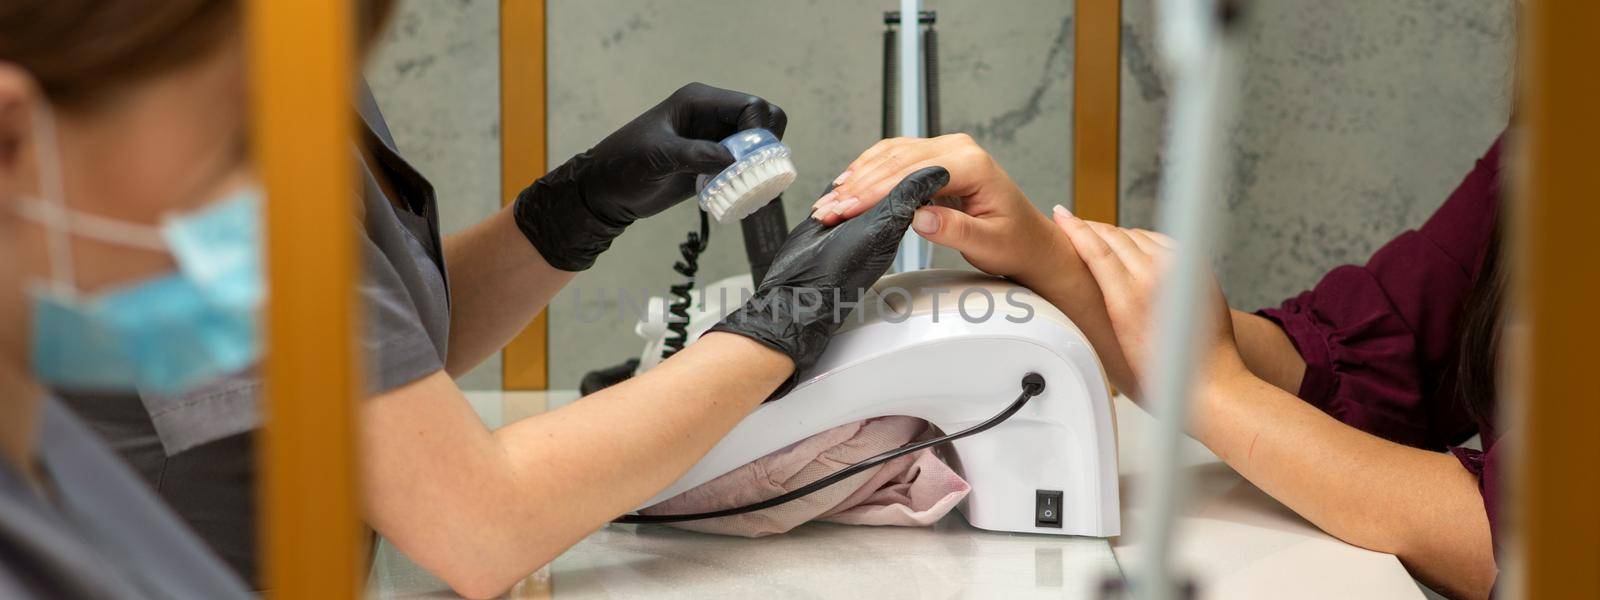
[(397, 344)]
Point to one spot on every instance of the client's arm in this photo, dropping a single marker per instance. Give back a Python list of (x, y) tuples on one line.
[(1421, 506), (1267, 351)]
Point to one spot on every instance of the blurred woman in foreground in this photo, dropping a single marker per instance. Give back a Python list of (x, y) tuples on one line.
[(122, 174)]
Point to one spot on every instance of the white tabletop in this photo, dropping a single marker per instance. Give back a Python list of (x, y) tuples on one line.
[(1238, 543)]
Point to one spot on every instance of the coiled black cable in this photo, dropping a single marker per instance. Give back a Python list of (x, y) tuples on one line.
[(1032, 385), (678, 311)]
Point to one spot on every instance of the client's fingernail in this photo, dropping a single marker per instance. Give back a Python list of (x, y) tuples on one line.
[(842, 176), (823, 210), (839, 208), (1061, 211), (925, 222), (826, 198)]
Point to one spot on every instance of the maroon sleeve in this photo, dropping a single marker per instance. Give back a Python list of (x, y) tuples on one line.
[(1485, 464), (1380, 340)]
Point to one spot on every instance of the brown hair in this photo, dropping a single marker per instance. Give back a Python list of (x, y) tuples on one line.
[(1482, 322), (1483, 315), (80, 49)]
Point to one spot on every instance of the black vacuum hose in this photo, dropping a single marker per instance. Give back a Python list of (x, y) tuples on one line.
[(930, 61), (891, 81)]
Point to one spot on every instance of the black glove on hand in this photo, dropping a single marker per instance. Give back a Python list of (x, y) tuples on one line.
[(572, 213), (796, 310)]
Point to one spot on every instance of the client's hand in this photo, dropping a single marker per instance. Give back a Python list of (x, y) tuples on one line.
[(996, 229), (1129, 265), (822, 269)]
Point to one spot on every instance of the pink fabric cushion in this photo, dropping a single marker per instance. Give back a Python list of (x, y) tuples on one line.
[(915, 489)]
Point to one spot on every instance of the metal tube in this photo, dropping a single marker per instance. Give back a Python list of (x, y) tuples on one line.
[(915, 252), (1202, 46), (910, 64)]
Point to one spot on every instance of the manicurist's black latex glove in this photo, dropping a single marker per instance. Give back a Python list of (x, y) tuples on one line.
[(820, 269), (572, 214)]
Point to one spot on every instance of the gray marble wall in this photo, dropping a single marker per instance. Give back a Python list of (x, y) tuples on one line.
[(1359, 117), (1006, 75)]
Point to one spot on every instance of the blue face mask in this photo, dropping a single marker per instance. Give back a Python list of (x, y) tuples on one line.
[(163, 335)]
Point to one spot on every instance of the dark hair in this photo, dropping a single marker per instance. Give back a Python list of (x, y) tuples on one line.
[(79, 50), (1482, 321)]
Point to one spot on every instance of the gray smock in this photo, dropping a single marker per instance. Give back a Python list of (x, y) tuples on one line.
[(97, 532), (197, 448)]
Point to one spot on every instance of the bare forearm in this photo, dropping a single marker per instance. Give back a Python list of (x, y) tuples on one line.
[(1267, 351), (1265, 348), (616, 448), (498, 284), (482, 510), (1422, 506)]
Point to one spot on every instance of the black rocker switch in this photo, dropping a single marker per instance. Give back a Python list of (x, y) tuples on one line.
[(1046, 509)]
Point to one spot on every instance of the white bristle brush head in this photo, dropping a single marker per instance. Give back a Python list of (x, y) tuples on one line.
[(750, 186)]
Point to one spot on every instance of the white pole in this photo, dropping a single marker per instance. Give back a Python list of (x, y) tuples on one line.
[(915, 252), (1202, 48)]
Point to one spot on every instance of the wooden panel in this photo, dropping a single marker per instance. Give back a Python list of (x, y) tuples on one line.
[(1558, 216), (525, 363), (301, 63), (1096, 108)]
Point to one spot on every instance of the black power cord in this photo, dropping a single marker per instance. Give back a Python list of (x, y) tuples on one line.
[(678, 312), (1032, 385)]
